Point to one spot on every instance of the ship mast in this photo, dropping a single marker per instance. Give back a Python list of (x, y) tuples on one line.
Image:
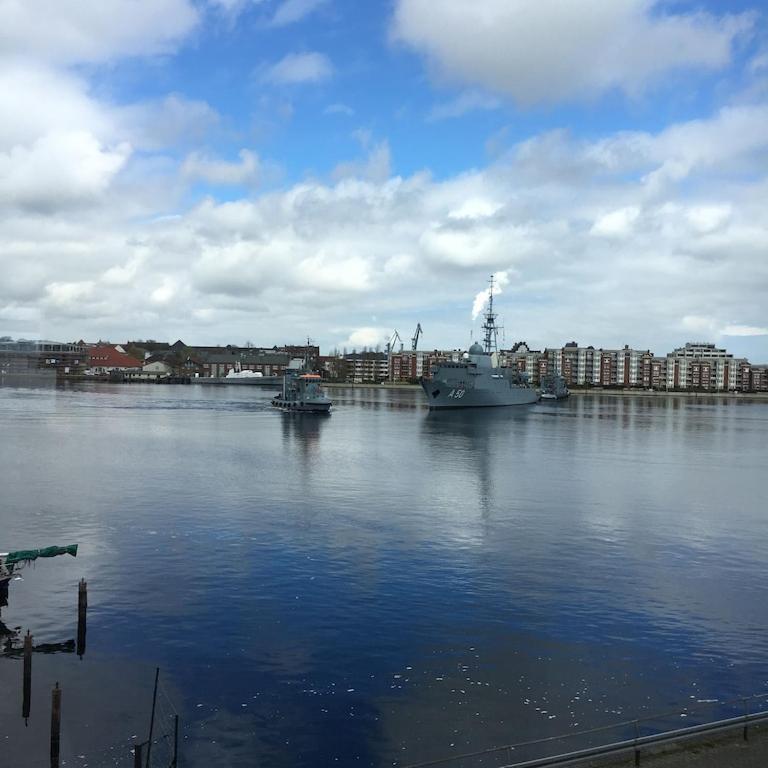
[(489, 326)]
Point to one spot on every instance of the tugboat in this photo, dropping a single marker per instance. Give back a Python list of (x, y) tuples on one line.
[(477, 380), (301, 392)]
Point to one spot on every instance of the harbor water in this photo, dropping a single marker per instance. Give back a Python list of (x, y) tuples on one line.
[(381, 586)]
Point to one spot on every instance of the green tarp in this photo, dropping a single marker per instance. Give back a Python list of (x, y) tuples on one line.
[(27, 555)]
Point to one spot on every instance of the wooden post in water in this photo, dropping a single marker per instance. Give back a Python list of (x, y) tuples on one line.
[(175, 762), (152, 718), (82, 610), (746, 720), (55, 725), (27, 700), (137, 750), (637, 751)]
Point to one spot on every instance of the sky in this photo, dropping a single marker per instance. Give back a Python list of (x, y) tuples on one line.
[(232, 171)]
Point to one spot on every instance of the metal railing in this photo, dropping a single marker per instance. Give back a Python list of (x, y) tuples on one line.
[(629, 739)]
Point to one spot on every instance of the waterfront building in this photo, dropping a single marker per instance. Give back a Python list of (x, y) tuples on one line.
[(332, 367), (223, 360), (703, 366), (532, 362), (61, 358), (309, 351), (629, 367), (652, 372), (105, 358), (157, 366), (596, 367), (575, 364), (408, 366), (367, 367), (752, 378)]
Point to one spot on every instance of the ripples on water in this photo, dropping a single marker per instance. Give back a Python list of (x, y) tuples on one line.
[(384, 585)]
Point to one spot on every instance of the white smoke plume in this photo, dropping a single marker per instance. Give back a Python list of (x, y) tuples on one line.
[(500, 281)]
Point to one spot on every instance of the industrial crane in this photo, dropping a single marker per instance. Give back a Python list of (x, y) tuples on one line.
[(415, 339), (390, 349), (391, 343)]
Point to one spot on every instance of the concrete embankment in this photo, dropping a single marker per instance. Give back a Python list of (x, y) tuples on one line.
[(729, 396)]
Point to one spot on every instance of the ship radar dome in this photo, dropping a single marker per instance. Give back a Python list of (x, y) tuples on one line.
[(475, 349)]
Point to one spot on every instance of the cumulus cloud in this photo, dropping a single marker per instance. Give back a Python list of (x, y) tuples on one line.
[(563, 49), (571, 223), (292, 11), (744, 330), (36, 100), (367, 336), (58, 170), (298, 68), (339, 109), (70, 31), (221, 172), (232, 8), (617, 223), (375, 167), (468, 101)]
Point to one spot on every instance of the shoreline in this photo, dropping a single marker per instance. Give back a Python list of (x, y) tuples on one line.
[(588, 391), (388, 385)]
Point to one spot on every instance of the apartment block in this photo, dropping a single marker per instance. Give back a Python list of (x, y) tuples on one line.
[(703, 366), (532, 362), (408, 366), (367, 367)]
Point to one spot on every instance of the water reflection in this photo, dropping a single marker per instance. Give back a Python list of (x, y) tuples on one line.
[(301, 434), (385, 583), (465, 447), (13, 642)]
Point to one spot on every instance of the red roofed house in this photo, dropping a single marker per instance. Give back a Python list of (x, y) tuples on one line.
[(104, 358)]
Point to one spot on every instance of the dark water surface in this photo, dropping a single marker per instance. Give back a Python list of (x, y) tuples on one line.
[(382, 586)]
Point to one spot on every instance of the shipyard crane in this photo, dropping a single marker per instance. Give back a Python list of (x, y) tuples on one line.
[(415, 339), (391, 343), (390, 349)]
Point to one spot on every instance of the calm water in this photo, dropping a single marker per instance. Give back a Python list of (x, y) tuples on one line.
[(382, 586)]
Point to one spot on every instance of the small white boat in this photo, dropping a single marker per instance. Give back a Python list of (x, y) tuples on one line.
[(244, 374)]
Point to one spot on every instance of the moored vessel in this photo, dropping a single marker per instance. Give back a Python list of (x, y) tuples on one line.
[(553, 387), (302, 392), (239, 375), (477, 381)]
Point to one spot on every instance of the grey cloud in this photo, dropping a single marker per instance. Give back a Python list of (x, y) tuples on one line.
[(221, 172), (534, 53), (24, 283), (168, 122), (70, 32)]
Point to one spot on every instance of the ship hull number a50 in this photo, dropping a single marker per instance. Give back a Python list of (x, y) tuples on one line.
[(457, 394)]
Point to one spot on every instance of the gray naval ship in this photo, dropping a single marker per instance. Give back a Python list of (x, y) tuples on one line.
[(477, 380)]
